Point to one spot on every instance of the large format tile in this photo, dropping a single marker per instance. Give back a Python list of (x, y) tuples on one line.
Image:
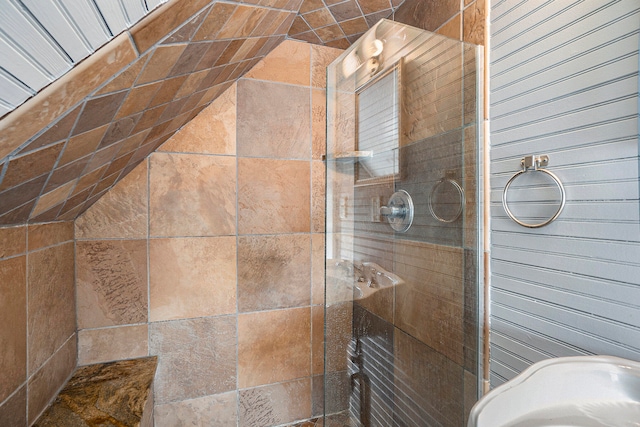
[(427, 381), (109, 344), (273, 272), (192, 277), (48, 380), (13, 412), (121, 213), (213, 131), (44, 235), (287, 63), (192, 195), (13, 318), (275, 404), (273, 196), (426, 15), (111, 282), (273, 346), (51, 302), (13, 241), (321, 58), (215, 410), (273, 120), (430, 305), (196, 357)]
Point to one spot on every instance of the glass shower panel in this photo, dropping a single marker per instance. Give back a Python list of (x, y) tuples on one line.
[(401, 307)]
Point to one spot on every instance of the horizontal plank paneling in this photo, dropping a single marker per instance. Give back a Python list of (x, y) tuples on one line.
[(564, 82)]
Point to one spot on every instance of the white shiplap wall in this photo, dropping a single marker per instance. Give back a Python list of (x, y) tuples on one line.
[(40, 40), (564, 82)]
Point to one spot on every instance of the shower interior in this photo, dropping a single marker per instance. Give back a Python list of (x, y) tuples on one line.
[(403, 288)]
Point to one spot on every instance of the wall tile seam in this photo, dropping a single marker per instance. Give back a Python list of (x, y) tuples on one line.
[(15, 392), (30, 377), (275, 82), (124, 325), (49, 247), (309, 377), (22, 254), (156, 322), (289, 159), (271, 310), (192, 153)]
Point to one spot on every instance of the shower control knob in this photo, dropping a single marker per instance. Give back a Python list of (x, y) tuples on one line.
[(399, 212)]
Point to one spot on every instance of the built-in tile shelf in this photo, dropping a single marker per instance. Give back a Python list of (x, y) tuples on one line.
[(42, 40)]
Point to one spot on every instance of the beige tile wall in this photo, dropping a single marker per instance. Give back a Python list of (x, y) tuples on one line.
[(226, 219), (37, 314)]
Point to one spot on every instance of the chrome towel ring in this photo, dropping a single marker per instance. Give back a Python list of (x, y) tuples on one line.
[(533, 164), (452, 182)]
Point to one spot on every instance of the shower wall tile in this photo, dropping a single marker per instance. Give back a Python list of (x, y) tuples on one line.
[(111, 344), (13, 311), (275, 404), (40, 283), (192, 195), (192, 270), (122, 213), (51, 202), (208, 343), (318, 124), (13, 412), (27, 167), (50, 294), (46, 382), (317, 340), (430, 305), (162, 21), (82, 145), (273, 272), (318, 176), (213, 131), (214, 410), (339, 322), (429, 379), (273, 196), (37, 302), (273, 346), (428, 15), (111, 282), (474, 22), (453, 28), (192, 277), (57, 132), (470, 393), (287, 63), (265, 131), (13, 241), (44, 235), (317, 268)]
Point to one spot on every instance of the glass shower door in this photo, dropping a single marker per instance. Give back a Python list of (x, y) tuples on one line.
[(402, 271)]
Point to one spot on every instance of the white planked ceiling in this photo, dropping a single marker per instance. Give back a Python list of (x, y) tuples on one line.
[(40, 40)]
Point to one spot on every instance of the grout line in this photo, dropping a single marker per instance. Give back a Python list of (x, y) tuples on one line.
[(148, 188), (237, 235)]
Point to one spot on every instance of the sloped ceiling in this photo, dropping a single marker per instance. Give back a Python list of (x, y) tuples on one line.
[(65, 147), (42, 40)]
